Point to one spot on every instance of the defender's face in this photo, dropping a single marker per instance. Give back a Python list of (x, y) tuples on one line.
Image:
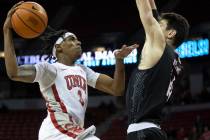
[(163, 26), (71, 47), (168, 33)]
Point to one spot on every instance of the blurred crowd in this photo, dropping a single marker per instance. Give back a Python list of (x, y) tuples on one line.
[(199, 131)]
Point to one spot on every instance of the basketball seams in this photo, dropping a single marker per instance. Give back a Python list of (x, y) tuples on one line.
[(29, 20), (14, 25), (35, 15), (26, 24)]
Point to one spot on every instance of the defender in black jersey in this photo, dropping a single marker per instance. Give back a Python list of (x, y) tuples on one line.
[(151, 84)]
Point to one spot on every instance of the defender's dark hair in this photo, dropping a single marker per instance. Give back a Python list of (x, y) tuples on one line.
[(178, 23), (49, 37)]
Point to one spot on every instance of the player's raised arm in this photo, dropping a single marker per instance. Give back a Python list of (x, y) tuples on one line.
[(146, 16), (152, 4), (154, 9), (15, 72)]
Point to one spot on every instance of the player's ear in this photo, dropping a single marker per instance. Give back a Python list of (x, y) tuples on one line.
[(58, 48), (171, 33)]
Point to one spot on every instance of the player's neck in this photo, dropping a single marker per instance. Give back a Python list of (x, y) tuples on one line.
[(66, 61), (170, 43)]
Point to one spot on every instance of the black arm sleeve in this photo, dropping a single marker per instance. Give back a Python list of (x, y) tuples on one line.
[(155, 14)]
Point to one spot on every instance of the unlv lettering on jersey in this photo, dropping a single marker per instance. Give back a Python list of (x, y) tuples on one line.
[(75, 81)]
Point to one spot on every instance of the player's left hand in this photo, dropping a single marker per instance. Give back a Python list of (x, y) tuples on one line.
[(124, 51)]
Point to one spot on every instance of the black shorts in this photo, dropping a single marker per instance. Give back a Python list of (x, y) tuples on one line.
[(148, 134)]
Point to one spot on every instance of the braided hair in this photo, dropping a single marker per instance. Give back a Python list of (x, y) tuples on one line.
[(49, 37)]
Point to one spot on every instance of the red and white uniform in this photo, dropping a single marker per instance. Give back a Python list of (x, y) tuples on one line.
[(65, 90)]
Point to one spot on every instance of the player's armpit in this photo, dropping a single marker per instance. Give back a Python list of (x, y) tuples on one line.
[(25, 73)]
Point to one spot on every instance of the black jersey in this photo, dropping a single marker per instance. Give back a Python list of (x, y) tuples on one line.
[(148, 90)]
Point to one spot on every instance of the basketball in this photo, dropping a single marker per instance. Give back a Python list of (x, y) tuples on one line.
[(29, 20)]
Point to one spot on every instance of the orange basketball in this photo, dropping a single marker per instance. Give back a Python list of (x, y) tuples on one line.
[(29, 20)]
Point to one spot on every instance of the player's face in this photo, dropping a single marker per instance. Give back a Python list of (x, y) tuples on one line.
[(71, 47), (168, 33), (163, 26)]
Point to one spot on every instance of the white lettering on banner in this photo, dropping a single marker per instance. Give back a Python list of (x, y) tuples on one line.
[(188, 49), (31, 59), (193, 48), (90, 59), (105, 58)]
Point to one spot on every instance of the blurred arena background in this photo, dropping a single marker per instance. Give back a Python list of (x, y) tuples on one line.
[(105, 25)]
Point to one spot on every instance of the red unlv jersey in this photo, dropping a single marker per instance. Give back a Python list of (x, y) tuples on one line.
[(65, 90)]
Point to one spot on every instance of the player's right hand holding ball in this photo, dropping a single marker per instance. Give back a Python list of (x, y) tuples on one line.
[(7, 23)]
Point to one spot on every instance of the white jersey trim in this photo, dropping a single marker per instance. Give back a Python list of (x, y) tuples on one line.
[(140, 126)]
